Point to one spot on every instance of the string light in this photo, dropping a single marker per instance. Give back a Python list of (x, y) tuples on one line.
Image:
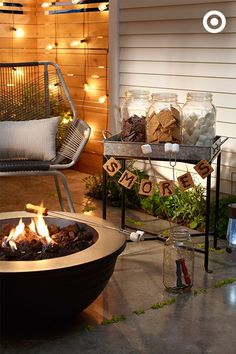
[(100, 37), (95, 76), (17, 71), (101, 67), (74, 43), (50, 46), (76, 2), (87, 88), (46, 4), (102, 99), (77, 43), (19, 32), (103, 7)]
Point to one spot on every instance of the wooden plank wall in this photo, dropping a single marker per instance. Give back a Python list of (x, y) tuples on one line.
[(78, 64), (164, 47), (13, 49)]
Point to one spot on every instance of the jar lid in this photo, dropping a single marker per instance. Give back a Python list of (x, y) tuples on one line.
[(164, 96), (199, 96), (232, 210), (138, 93)]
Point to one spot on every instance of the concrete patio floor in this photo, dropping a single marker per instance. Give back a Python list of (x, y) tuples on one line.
[(201, 324)]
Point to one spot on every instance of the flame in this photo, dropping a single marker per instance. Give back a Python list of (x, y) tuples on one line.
[(15, 233), (42, 228), (32, 226), (37, 226)]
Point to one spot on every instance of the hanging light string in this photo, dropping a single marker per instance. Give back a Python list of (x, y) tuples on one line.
[(55, 38), (106, 73), (85, 67), (12, 37)]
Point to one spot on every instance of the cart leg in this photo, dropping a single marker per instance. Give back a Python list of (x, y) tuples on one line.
[(104, 191), (123, 200), (207, 230), (217, 200)]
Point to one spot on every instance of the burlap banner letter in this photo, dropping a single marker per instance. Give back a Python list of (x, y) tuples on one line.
[(166, 188), (112, 166), (203, 168), (185, 181), (127, 179), (146, 187)]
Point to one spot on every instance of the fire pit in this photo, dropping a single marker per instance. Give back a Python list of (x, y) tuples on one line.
[(50, 289)]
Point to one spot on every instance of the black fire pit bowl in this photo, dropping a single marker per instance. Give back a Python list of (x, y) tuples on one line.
[(47, 291)]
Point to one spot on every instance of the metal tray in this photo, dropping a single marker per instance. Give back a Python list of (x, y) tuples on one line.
[(113, 146)]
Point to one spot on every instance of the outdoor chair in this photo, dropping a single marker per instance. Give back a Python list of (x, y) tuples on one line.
[(40, 133)]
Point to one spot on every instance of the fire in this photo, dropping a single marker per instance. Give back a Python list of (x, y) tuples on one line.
[(38, 228)]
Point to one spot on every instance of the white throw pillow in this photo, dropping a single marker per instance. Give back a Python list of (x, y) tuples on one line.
[(32, 139)]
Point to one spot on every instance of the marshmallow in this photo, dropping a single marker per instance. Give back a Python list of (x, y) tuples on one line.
[(146, 149), (175, 148), (137, 236), (168, 147)]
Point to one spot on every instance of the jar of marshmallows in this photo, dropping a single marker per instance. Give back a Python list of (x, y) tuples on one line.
[(199, 119)]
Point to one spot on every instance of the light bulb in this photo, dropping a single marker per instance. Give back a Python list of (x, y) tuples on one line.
[(74, 43), (75, 2), (101, 67), (103, 7), (18, 72), (1, 3), (46, 4), (95, 76), (86, 87), (19, 32), (70, 74), (50, 46), (99, 37), (102, 99)]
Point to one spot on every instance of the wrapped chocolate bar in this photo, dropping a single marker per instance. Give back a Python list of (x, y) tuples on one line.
[(133, 115), (164, 119), (199, 119)]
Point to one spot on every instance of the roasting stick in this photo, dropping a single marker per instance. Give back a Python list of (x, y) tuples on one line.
[(38, 209)]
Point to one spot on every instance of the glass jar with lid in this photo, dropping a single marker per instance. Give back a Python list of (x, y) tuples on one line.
[(199, 119), (133, 115), (164, 119), (178, 261)]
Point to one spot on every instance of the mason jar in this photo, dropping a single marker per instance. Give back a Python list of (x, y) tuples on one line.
[(199, 119), (164, 119), (178, 261), (134, 110)]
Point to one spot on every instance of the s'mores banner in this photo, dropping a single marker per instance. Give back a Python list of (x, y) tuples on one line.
[(146, 187)]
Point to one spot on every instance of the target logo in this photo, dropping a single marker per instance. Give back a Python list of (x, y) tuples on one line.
[(214, 21)]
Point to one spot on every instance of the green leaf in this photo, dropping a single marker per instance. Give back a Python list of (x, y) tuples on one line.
[(139, 312), (161, 304), (193, 224), (224, 282), (114, 319), (199, 291)]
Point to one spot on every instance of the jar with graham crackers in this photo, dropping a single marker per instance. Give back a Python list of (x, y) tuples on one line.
[(164, 119)]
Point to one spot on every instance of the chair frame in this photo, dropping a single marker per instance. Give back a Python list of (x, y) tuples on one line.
[(71, 148)]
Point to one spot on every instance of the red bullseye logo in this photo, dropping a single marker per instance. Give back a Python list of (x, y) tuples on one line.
[(214, 21)]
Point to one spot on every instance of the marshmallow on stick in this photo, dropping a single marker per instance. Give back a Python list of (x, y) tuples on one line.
[(38, 209)]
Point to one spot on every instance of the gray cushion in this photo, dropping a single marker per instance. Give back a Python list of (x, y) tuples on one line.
[(32, 139)]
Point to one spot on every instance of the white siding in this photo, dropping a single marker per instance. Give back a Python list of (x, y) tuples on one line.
[(164, 47)]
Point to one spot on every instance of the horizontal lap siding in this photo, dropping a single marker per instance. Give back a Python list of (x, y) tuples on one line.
[(164, 47)]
